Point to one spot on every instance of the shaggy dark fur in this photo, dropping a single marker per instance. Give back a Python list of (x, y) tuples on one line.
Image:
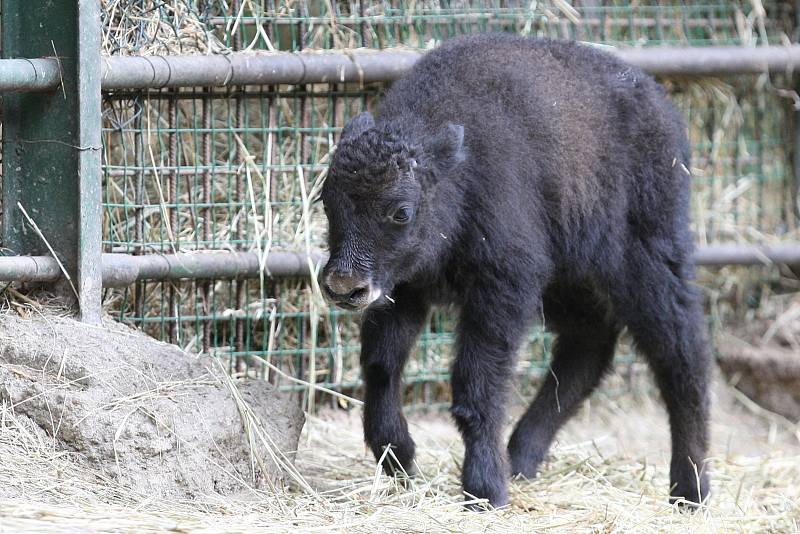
[(521, 180)]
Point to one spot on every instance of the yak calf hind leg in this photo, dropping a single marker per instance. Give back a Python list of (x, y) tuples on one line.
[(667, 325), (583, 352)]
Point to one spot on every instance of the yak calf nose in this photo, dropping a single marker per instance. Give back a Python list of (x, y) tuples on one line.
[(345, 287), (357, 294)]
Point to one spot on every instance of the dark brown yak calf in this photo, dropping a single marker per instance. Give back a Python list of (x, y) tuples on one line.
[(520, 179)]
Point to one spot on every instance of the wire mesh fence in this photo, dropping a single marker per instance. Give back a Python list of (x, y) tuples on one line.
[(183, 26), (238, 168)]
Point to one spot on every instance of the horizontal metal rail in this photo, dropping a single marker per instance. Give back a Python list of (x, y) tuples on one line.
[(713, 60), (256, 69), (387, 65), (733, 254), (242, 68), (29, 74), (29, 269), (121, 270)]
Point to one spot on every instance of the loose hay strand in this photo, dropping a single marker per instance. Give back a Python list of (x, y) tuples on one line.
[(49, 248)]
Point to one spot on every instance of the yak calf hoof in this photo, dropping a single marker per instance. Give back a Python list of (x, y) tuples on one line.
[(690, 496), (524, 468), (393, 469), (523, 463), (494, 502), (495, 491), (398, 461)]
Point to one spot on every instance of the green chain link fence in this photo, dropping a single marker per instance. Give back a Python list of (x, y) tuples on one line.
[(237, 168)]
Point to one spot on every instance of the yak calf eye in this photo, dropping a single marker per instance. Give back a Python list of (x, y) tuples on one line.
[(401, 215)]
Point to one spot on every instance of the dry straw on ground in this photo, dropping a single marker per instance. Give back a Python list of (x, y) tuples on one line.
[(608, 474)]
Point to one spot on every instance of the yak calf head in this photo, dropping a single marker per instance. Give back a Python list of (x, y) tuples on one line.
[(379, 199)]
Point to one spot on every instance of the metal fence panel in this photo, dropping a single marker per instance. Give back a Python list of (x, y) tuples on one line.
[(236, 168)]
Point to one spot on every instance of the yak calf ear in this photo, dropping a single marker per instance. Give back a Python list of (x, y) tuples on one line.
[(358, 125), (447, 147)]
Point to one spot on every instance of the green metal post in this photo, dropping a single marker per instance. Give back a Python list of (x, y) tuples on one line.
[(795, 189), (52, 144)]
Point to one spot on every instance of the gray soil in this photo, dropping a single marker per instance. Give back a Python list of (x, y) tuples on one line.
[(144, 413)]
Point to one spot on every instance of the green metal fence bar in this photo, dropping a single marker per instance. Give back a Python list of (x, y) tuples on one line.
[(386, 65), (52, 144), (90, 189), (29, 74), (121, 270), (241, 68)]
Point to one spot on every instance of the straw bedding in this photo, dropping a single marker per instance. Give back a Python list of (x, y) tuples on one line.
[(608, 473)]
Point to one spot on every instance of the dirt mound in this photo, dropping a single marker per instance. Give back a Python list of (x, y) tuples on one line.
[(768, 373), (145, 413)]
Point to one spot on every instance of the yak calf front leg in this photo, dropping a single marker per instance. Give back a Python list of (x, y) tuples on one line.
[(387, 335), (486, 350)]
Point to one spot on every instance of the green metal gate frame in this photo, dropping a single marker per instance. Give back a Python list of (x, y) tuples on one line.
[(52, 146)]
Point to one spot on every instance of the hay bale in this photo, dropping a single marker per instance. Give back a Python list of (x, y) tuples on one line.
[(144, 413), (768, 374)]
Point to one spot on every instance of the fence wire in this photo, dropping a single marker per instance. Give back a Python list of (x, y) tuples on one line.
[(182, 26), (236, 169)]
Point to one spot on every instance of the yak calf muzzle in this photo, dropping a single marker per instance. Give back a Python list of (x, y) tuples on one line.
[(348, 291)]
